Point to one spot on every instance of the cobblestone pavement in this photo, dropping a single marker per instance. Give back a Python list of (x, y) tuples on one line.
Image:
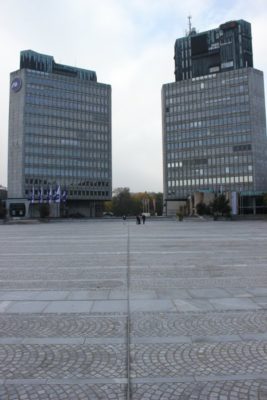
[(105, 310)]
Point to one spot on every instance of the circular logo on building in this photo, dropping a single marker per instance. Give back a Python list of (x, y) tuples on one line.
[(16, 84)]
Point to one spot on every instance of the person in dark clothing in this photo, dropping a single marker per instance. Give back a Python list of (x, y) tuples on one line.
[(138, 220), (143, 218)]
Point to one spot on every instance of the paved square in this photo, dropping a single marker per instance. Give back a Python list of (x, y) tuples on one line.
[(98, 309)]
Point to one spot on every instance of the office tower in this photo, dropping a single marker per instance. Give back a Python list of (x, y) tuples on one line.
[(59, 134), (214, 124)]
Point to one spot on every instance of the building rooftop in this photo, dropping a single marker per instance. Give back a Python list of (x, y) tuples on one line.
[(41, 62)]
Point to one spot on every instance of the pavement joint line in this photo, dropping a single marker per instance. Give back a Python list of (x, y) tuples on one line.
[(38, 381), (91, 307), (197, 339), (65, 254), (86, 341), (84, 267), (66, 381), (128, 322), (114, 253), (236, 378), (204, 378), (61, 280), (71, 381)]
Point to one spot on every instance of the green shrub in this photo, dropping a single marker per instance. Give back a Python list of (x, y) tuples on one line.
[(203, 209), (220, 206)]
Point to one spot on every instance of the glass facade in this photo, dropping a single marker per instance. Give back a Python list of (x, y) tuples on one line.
[(222, 49), (64, 119), (214, 134)]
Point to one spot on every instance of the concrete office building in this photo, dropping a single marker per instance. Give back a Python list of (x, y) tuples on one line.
[(59, 134), (214, 123)]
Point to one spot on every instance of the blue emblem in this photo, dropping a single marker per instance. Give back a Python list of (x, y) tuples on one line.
[(16, 85)]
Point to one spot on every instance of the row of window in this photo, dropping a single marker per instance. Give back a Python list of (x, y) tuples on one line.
[(62, 83), (54, 117), (59, 172), (203, 170), (184, 192), (211, 181), (71, 193), (67, 115), (67, 182), (209, 97), (207, 132), (56, 122), (66, 162), (89, 131), (208, 173), (49, 141), (207, 120), (223, 169), (60, 104), (196, 84), (208, 112), (215, 141), (205, 105), (54, 92), (211, 161), (186, 123), (65, 153), (203, 152)]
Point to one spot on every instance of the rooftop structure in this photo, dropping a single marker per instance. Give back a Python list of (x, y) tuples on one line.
[(222, 49)]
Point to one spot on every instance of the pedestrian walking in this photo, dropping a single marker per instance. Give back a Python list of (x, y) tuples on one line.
[(143, 219), (138, 220)]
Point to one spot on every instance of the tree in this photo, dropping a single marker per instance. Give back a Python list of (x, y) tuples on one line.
[(122, 202), (220, 206), (158, 202), (126, 203)]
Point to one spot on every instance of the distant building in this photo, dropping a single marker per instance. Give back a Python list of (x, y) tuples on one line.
[(59, 135), (214, 123)]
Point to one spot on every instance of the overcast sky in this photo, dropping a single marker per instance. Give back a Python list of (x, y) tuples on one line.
[(130, 45)]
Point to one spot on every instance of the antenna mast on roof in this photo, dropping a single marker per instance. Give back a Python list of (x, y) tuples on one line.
[(189, 24)]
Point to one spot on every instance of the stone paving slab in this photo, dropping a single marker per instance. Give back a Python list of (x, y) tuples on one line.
[(69, 307), (208, 293), (234, 304), (193, 305), (223, 390), (26, 306), (109, 306), (61, 285), (63, 391), (63, 325), (199, 359), (88, 295), (152, 305), (53, 361), (198, 310)]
